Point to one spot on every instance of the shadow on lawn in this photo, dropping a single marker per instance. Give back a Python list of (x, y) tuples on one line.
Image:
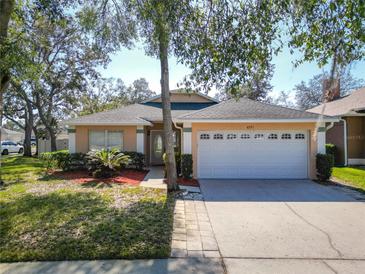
[(18, 169), (97, 184), (83, 226)]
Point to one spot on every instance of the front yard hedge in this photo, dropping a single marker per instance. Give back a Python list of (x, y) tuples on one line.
[(187, 166), (324, 165), (137, 160), (64, 160), (331, 149)]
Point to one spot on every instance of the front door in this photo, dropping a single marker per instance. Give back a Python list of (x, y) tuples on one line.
[(157, 148)]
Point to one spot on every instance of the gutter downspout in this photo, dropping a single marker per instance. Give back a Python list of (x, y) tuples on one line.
[(181, 133), (345, 139), (181, 137)]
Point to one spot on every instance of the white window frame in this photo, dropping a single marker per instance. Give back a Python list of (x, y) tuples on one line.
[(286, 136), (273, 136), (259, 136), (106, 132), (231, 136), (204, 136), (218, 136), (245, 136), (302, 136)]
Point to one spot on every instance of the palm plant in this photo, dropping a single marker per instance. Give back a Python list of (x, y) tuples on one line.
[(104, 162)]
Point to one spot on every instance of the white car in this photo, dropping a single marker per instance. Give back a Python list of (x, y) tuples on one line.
[(11, 147)]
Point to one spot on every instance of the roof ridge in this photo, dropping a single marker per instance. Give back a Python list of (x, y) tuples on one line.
[(105, 111), (278, 106), (199, 110)]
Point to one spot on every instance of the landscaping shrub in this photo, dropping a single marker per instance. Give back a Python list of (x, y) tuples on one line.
[(47, 160), (56, 159), (178, 163), (331, 149), (324, 165), (187, 166), (77, 161), (103, 163), (137, 160), (63, 159)]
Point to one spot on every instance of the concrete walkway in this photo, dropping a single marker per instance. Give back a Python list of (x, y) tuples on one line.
[(163, 266), (154, 178)]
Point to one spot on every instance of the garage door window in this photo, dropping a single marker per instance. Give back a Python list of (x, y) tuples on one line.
[(245, 136), (204, 136), (104, 139), (259, 136), (273, 136), (286, 136), (299, 136), (231, 136), (218, 136)]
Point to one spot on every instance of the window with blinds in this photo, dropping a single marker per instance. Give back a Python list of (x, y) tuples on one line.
[(99, 139)]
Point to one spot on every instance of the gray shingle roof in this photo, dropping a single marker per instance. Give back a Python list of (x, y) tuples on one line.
[(141, 114), (247, 109), (342, 106), (136, 114)]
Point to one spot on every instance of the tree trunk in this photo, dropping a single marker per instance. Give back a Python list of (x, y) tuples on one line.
[(29, 120), (6, 8), (35, 131), (166, 113), (53, 138)]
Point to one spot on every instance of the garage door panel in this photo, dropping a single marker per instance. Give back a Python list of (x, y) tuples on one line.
[(253, 158)]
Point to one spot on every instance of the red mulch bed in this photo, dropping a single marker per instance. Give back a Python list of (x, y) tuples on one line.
[(131, 177), (186, 182)]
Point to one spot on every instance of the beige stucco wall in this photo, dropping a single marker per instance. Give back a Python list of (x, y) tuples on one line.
[(184, 98), (129, 136), (196, 127)]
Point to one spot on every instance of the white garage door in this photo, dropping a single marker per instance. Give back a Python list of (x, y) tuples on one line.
[(253, 154)]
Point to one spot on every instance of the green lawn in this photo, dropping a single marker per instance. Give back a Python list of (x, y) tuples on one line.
[(44, 219), (354, 176)]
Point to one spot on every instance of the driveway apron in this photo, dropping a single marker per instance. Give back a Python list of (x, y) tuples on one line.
[(284, 219)]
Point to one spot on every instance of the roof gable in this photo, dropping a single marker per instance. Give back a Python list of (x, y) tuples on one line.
[(182, 96), (346, 105)]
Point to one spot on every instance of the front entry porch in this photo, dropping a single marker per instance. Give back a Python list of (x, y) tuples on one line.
[(154, 142)]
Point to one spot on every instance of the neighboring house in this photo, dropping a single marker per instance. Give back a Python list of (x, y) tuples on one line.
[(231, 139), (11, 135), (348, 134), (44, 144)]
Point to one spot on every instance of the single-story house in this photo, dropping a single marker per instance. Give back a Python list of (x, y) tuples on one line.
[(349, 133), (231, 139)]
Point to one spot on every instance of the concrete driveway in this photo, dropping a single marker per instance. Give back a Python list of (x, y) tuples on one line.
[(286, 226)]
